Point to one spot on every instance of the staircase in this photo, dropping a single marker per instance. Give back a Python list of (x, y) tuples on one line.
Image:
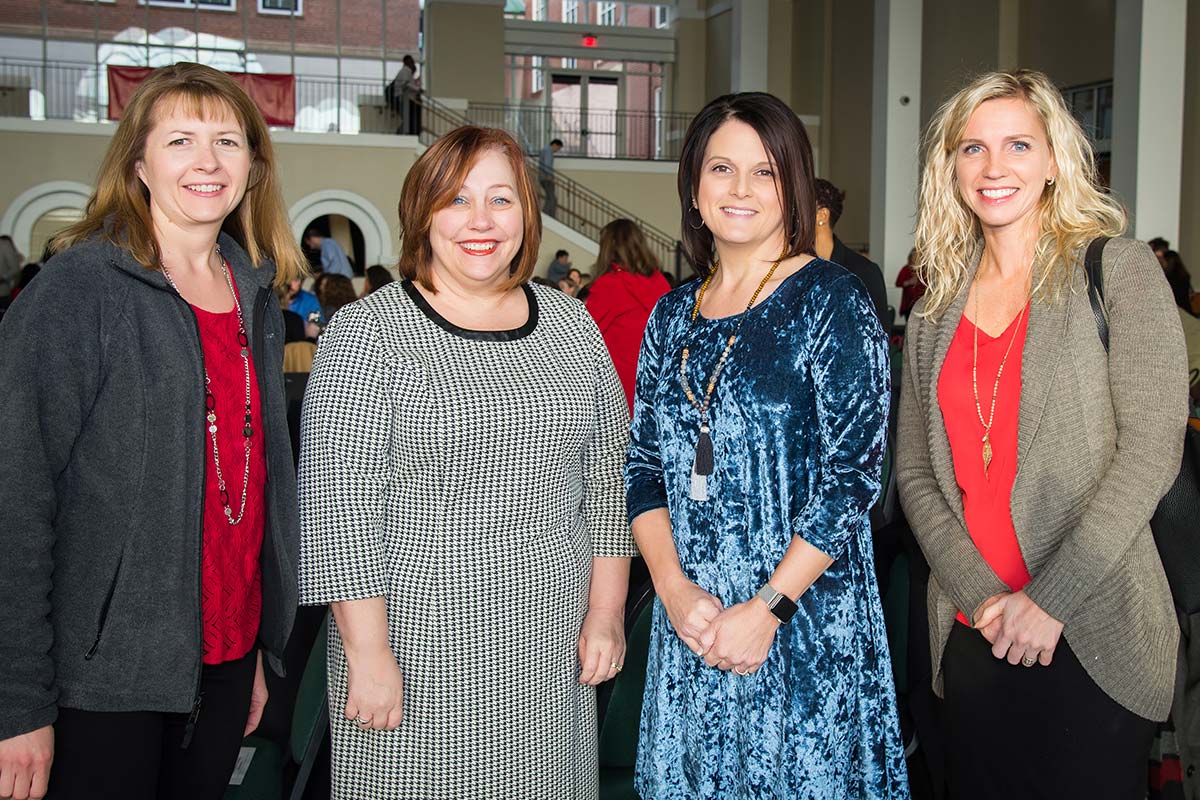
[(578, 207)]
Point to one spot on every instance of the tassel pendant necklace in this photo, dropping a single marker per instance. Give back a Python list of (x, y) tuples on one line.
[(702, 463), (986, 450)]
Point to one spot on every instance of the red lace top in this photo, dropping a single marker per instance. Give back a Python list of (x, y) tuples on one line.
[(231, 577), (986, 498)]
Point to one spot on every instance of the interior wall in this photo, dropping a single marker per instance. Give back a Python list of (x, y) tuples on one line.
[(949, 62), (1070, 40), (780, 50), (1189, 212), (718, 55), (808, 56), (651, 196), (464, 51), (851, 105), (690, 78)]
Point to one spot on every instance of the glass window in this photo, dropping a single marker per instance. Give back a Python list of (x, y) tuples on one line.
[(570, 11), (537, 9), (280, 6), (537, 79), (224, 5), (662, 17), (606, 13)]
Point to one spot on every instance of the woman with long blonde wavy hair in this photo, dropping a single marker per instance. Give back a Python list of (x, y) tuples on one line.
[(1030, 460), (152, 532)]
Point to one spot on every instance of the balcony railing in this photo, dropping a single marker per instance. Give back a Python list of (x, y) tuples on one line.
[(598, 133), (79, 91)]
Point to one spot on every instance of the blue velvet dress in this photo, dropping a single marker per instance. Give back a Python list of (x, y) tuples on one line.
[(798, 424)]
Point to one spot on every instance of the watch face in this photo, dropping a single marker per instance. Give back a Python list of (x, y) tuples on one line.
[(784, 608)]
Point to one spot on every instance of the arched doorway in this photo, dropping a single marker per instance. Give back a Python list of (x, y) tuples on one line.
[(345, 232), (45, 206), (378, 243)]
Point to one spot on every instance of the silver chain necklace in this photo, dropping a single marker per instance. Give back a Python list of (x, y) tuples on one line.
[(210, 402)]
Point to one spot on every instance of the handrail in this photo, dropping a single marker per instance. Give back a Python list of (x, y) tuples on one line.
[(578, 207)]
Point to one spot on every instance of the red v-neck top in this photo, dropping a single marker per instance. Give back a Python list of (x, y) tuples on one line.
[(230, 572), (986, 498)]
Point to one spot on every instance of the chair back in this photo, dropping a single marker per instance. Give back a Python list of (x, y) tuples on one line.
[(623, 709)]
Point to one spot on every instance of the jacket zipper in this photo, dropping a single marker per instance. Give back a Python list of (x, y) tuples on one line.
[(197, 695), (112, 588)]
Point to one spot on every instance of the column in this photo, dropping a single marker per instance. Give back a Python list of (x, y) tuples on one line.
[(895, 134), (1148, 101), (751, 31)]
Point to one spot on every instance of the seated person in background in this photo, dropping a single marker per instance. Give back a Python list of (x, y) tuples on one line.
[(333, 292), (298, 301), (333, 257), (377, 277), (829, 210)]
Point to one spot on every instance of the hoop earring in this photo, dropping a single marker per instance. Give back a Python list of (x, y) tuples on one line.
[(689, 222), (1050, 181)]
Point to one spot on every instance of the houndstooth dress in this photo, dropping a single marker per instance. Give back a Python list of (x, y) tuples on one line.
[(469, 477)]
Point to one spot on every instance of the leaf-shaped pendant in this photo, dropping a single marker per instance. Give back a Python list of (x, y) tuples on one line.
[(987, 454)]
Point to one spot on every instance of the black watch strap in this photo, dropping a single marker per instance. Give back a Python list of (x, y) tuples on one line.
[(782, 606)]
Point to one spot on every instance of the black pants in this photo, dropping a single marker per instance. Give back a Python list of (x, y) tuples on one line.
[(139, 755), (1036, 732)]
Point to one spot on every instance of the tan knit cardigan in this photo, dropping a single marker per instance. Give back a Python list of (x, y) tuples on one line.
[(1099, 442)]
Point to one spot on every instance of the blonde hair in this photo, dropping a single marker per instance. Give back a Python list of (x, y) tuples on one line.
[(1072, 211), (120, 207)]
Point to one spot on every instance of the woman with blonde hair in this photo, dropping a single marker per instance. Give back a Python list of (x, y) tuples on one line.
[(1030, 460), (461, 504), (151, 530), (628, 283)]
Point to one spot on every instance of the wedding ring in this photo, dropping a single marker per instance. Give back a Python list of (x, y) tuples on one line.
[(1028, 662), (736, 671), (358, 720), (615, 665)]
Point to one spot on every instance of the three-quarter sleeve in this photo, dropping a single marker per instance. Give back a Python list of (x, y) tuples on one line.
[(345, 436), (603, 500), (644, 486), (848, 359)]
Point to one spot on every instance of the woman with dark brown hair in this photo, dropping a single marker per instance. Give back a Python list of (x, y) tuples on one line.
[(460, 483), (756, 448), (151, 529), (628, 284)]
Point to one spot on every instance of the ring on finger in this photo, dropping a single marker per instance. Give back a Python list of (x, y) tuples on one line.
[(358, 720), (615, 666), (1028, 660)]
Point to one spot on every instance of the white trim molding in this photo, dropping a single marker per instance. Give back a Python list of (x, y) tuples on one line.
[(29, 206), (378, 245)]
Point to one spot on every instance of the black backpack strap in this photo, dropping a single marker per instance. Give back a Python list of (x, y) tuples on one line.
[(1094, 264)]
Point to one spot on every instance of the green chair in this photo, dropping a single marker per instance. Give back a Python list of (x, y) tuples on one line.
[(264, 777), (621, 705)]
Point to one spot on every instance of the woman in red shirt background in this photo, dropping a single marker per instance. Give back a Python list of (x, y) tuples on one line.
[(628, 284)]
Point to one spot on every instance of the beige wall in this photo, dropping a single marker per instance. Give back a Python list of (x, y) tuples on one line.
[(1189, 216), (718, 55), (948, 62), (689, 70), (1070, 40), (649, 195), (808, 57), (780, 50), (850, 123), (464, 45)]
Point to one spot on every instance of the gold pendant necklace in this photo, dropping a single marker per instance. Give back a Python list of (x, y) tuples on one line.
[(987, 424)]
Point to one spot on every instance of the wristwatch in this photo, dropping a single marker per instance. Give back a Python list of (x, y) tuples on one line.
[(782, 606)]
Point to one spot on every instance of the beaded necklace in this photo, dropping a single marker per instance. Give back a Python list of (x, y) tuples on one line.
[(702, 463), (210, 402)]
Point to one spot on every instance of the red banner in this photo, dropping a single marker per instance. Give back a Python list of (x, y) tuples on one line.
[(275, 95)]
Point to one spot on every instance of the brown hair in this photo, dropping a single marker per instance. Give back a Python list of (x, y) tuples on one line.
[(334, 292), (786, 142), (120, 206), (622, 243), (435, 180)]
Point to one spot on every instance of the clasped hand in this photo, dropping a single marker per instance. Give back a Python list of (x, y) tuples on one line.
[(737, 638), (1018, 629)]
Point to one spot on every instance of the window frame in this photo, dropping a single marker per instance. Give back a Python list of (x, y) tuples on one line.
[(189, 5), (280, 12)]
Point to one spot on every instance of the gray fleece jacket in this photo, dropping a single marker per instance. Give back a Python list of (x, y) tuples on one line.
[(102, 473)]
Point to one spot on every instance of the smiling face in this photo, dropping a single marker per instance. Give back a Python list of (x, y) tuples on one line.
[(737, 197), (476, 237), (196, 169), (1003, 162)]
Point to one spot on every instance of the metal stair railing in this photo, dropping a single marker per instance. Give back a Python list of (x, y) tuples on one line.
[(578, 207)]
